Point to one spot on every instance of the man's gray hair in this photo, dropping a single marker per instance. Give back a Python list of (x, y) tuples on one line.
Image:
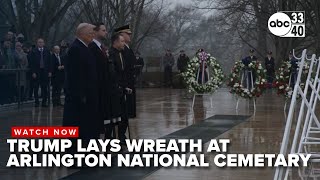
[(83, 27)]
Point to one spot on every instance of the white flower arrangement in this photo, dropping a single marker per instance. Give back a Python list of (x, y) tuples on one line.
[(213, 83), (283, 79), (234, 81)]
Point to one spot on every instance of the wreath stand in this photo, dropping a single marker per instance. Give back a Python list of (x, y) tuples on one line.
[(246, 77), (202, 82), (194, 98)]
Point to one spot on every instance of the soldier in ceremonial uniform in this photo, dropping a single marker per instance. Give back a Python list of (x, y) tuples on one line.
[(130, 59), (249, 81), (294, 69), (139, 64), (121, 86), (269, 64)]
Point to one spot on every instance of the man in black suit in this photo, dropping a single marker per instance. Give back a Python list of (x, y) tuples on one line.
[(81, 102), (182, 64), (269, 64), (121, 82), (130, 60), (99, 51), (41, 69), (57, 76)]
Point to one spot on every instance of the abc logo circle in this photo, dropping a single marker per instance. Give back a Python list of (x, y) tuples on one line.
[(279, 24)]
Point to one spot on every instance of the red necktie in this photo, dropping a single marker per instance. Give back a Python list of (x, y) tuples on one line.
[(104, 50)]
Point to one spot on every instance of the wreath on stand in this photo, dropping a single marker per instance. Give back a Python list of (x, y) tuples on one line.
[(210, 65), (260, 84), (283, 79)]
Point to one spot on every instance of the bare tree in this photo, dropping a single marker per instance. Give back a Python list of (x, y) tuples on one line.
[(181, 23), (34, 18), (249, 19), (115, 13), (64, 29)]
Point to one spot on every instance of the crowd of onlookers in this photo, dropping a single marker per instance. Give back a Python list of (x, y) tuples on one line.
[(19, 75), (29, 69)]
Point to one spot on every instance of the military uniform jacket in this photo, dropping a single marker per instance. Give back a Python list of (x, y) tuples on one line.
[(130, 60), (247, 60), (118, 81)]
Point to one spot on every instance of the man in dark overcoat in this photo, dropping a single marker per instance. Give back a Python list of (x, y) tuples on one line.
[(81, 101), (99, 51)]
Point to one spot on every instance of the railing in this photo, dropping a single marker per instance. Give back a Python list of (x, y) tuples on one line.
[(10, 85), (301, 130)]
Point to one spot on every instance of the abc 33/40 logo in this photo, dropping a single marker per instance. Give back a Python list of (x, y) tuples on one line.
[(287, 24)]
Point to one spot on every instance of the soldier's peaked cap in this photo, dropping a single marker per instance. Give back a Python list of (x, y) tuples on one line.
[(123, 29)]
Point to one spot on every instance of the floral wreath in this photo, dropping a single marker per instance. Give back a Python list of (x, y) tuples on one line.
[(283, 78), (234, 81), (190, 75)]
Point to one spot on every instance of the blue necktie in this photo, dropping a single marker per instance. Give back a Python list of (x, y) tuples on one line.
[(41, 58)]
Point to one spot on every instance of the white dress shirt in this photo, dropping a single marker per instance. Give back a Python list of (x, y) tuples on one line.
[(82, 42), (97, 43)]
